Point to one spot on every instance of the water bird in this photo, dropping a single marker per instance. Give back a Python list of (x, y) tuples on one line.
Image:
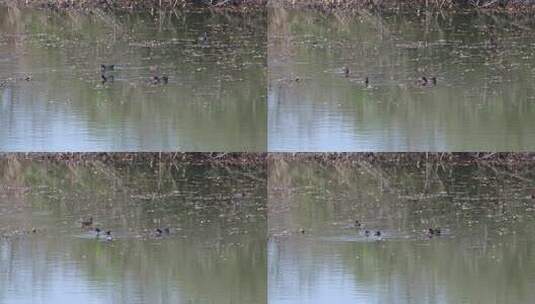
[(203, 38), (357, 224), (167, 231), (105, 78), (158, 232), (367, 232), (302, 230), (367, 82), (109, 238), (435, 231), (107, 67), (346, 71), (377, 233), (422, 81), (157, 80), (87, 222)]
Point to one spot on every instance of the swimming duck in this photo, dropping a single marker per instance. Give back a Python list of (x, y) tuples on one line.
[(87, 222), (109, 238), (377, 233), (435, 231), (367, 233), (422, 81), (105, 78), (357, 224), (346, 71), (167, 231), (203, 38), (158, 232), (157, 80), (367, 82), (302, 230), (107, 67), (97, 232)]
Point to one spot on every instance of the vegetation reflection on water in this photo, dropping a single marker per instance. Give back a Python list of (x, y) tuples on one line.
[(485, 253), (215, 99), (214, 253), (483, 99)]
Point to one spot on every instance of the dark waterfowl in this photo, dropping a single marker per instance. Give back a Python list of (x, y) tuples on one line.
[(158, 232), (109, 238), (107, 67), (105, 78), (346, 71), (302, 230), (357, 224), (158, 80), (431, 232), (367, 233), (203, 38), (97, 232), (167, 231), (367, 82), (422, 81), (377, 233)]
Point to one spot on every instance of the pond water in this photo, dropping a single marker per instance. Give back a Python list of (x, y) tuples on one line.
[(215, 251), (483, 98), (215, 98), (485, 252)]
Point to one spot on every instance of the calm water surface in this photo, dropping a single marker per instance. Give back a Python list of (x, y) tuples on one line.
[(215, 252), (215, 99), (484, 98), (485, 254)]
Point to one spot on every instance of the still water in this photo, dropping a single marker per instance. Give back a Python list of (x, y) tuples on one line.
[(483, 100), (215, 98), (484, 254), (215, 251)]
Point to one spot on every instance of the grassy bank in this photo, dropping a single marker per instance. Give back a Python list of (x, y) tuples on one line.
[(517, 6), (138, 4), (465, 157), (212, 159)]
